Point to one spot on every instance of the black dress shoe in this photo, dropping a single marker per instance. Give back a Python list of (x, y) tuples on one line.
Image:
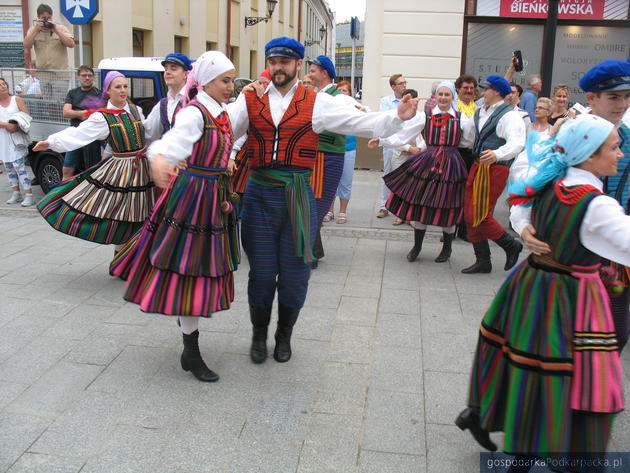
[(191, 359), (469, 419)]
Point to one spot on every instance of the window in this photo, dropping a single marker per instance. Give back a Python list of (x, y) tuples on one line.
[(138, 43)]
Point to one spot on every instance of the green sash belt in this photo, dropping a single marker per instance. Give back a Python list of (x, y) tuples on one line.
[(298, 204)]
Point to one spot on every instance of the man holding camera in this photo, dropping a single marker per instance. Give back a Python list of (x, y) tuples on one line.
[(51, 42)]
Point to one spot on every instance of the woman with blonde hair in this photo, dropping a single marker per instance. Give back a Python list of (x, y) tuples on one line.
[(560, 99)]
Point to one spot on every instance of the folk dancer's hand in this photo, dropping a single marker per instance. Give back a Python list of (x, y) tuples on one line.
[(534, 244)]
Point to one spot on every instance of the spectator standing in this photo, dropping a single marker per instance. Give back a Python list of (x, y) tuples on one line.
[(560, 100), (51, 42), (30, 85), (74, 110), (466, 86), (514, 99), (9, 154), (530, 96), (543, 110), (398, 83)]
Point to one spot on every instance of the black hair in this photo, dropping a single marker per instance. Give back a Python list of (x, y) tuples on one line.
[(43, 8), (412, 92)]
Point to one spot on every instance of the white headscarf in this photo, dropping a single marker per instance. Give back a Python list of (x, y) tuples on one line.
[(206, 68), (450, 86)]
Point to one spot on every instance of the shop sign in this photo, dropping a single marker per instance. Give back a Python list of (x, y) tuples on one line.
[(567, 9)]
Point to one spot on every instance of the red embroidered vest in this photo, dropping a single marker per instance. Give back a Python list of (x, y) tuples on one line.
[(293, 143)]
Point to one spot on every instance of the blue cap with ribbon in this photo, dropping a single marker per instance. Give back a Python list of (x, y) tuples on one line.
[(179, 59), (497, 83), (286, 47), (325, 63), (609, 75)]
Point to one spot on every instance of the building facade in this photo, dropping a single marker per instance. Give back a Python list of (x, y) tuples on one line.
[(439, 39), (343, 55), (157, 27)]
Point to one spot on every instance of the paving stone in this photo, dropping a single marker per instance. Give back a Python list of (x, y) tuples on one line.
[(326, 296), (38, 463), (331, 444), (9, 391), (358, 289), (348, 378), (399, 301), (130, 314), (282, 413), (11, 308), (439, 357), (131, 371), (357, 310), (348, 404), (351, 344), (20, 332), (398, 330), (48, 308), (394, 423), (314, 324), (83, 429), (397, 369), (34, 359), (265, 456), (383, 462), (445, 396), (450, 449), (51, 394), (79, 322), (17, 433)]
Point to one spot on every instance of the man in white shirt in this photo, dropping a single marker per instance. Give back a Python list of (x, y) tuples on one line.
[(279, 218), (514, 99), (398, 83), (498, 135), (30, 85), (162, 116)]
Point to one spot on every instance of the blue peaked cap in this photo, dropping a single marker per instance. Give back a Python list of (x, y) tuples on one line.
[(497, 83), (286, 47), (325, 63), (610, 75), (179, 59)]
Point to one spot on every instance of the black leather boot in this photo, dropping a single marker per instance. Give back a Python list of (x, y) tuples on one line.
[(469, 419), (286, 320), (260, 321), (418, 238), (318, 250), (462, 232), (191, 359), (445, 254), (512, 249), (482, 254)]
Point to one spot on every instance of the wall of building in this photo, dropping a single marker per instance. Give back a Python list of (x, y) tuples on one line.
[(421, 40), (199, 25)]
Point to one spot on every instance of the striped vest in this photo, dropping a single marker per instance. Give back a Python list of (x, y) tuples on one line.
[(126, 132), (292, 143), (487, 137), (442, 129), (557, 216), (332, 142)]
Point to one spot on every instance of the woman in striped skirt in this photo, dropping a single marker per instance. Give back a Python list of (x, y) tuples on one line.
[(182, 261), (109, 202), (428, 188), (547, 371)]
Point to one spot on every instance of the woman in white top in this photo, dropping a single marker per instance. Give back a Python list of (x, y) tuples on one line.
[(13, 158), (109, 202), (541, 125)]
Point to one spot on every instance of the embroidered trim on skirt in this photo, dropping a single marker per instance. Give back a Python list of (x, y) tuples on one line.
[(182, 261), (63, 217), (524, 368), (429, 187)]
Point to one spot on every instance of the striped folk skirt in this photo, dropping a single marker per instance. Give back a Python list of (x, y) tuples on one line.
[(104, 204), (429, 187), (531, 378), (182, 260)]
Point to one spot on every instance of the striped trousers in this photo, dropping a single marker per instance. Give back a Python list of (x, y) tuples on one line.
[(333, 169), (268, 243)]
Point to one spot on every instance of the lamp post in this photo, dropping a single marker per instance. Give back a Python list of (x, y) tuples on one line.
[(254, 20), (322, 32)]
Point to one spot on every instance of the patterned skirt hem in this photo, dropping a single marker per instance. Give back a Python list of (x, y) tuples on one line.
[(440, 217)]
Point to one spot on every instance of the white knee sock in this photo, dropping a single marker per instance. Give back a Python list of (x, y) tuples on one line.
[(450, 229), (188, 324), (419, 226)]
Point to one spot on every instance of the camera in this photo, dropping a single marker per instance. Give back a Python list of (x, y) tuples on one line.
[(47, 24), (518, 66)]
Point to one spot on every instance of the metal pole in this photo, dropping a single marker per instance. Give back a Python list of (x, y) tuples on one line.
[(354, 43), (80, 45), (549, 40)]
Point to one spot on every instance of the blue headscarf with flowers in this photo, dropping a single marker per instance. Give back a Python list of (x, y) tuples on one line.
[(576, 141)]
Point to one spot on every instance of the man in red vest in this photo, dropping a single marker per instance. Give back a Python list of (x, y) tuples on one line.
[(279, 213)]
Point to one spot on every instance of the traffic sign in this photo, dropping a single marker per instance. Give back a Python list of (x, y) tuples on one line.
[(79, 12)]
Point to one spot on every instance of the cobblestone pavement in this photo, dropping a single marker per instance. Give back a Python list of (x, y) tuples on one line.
[(382, 351)]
